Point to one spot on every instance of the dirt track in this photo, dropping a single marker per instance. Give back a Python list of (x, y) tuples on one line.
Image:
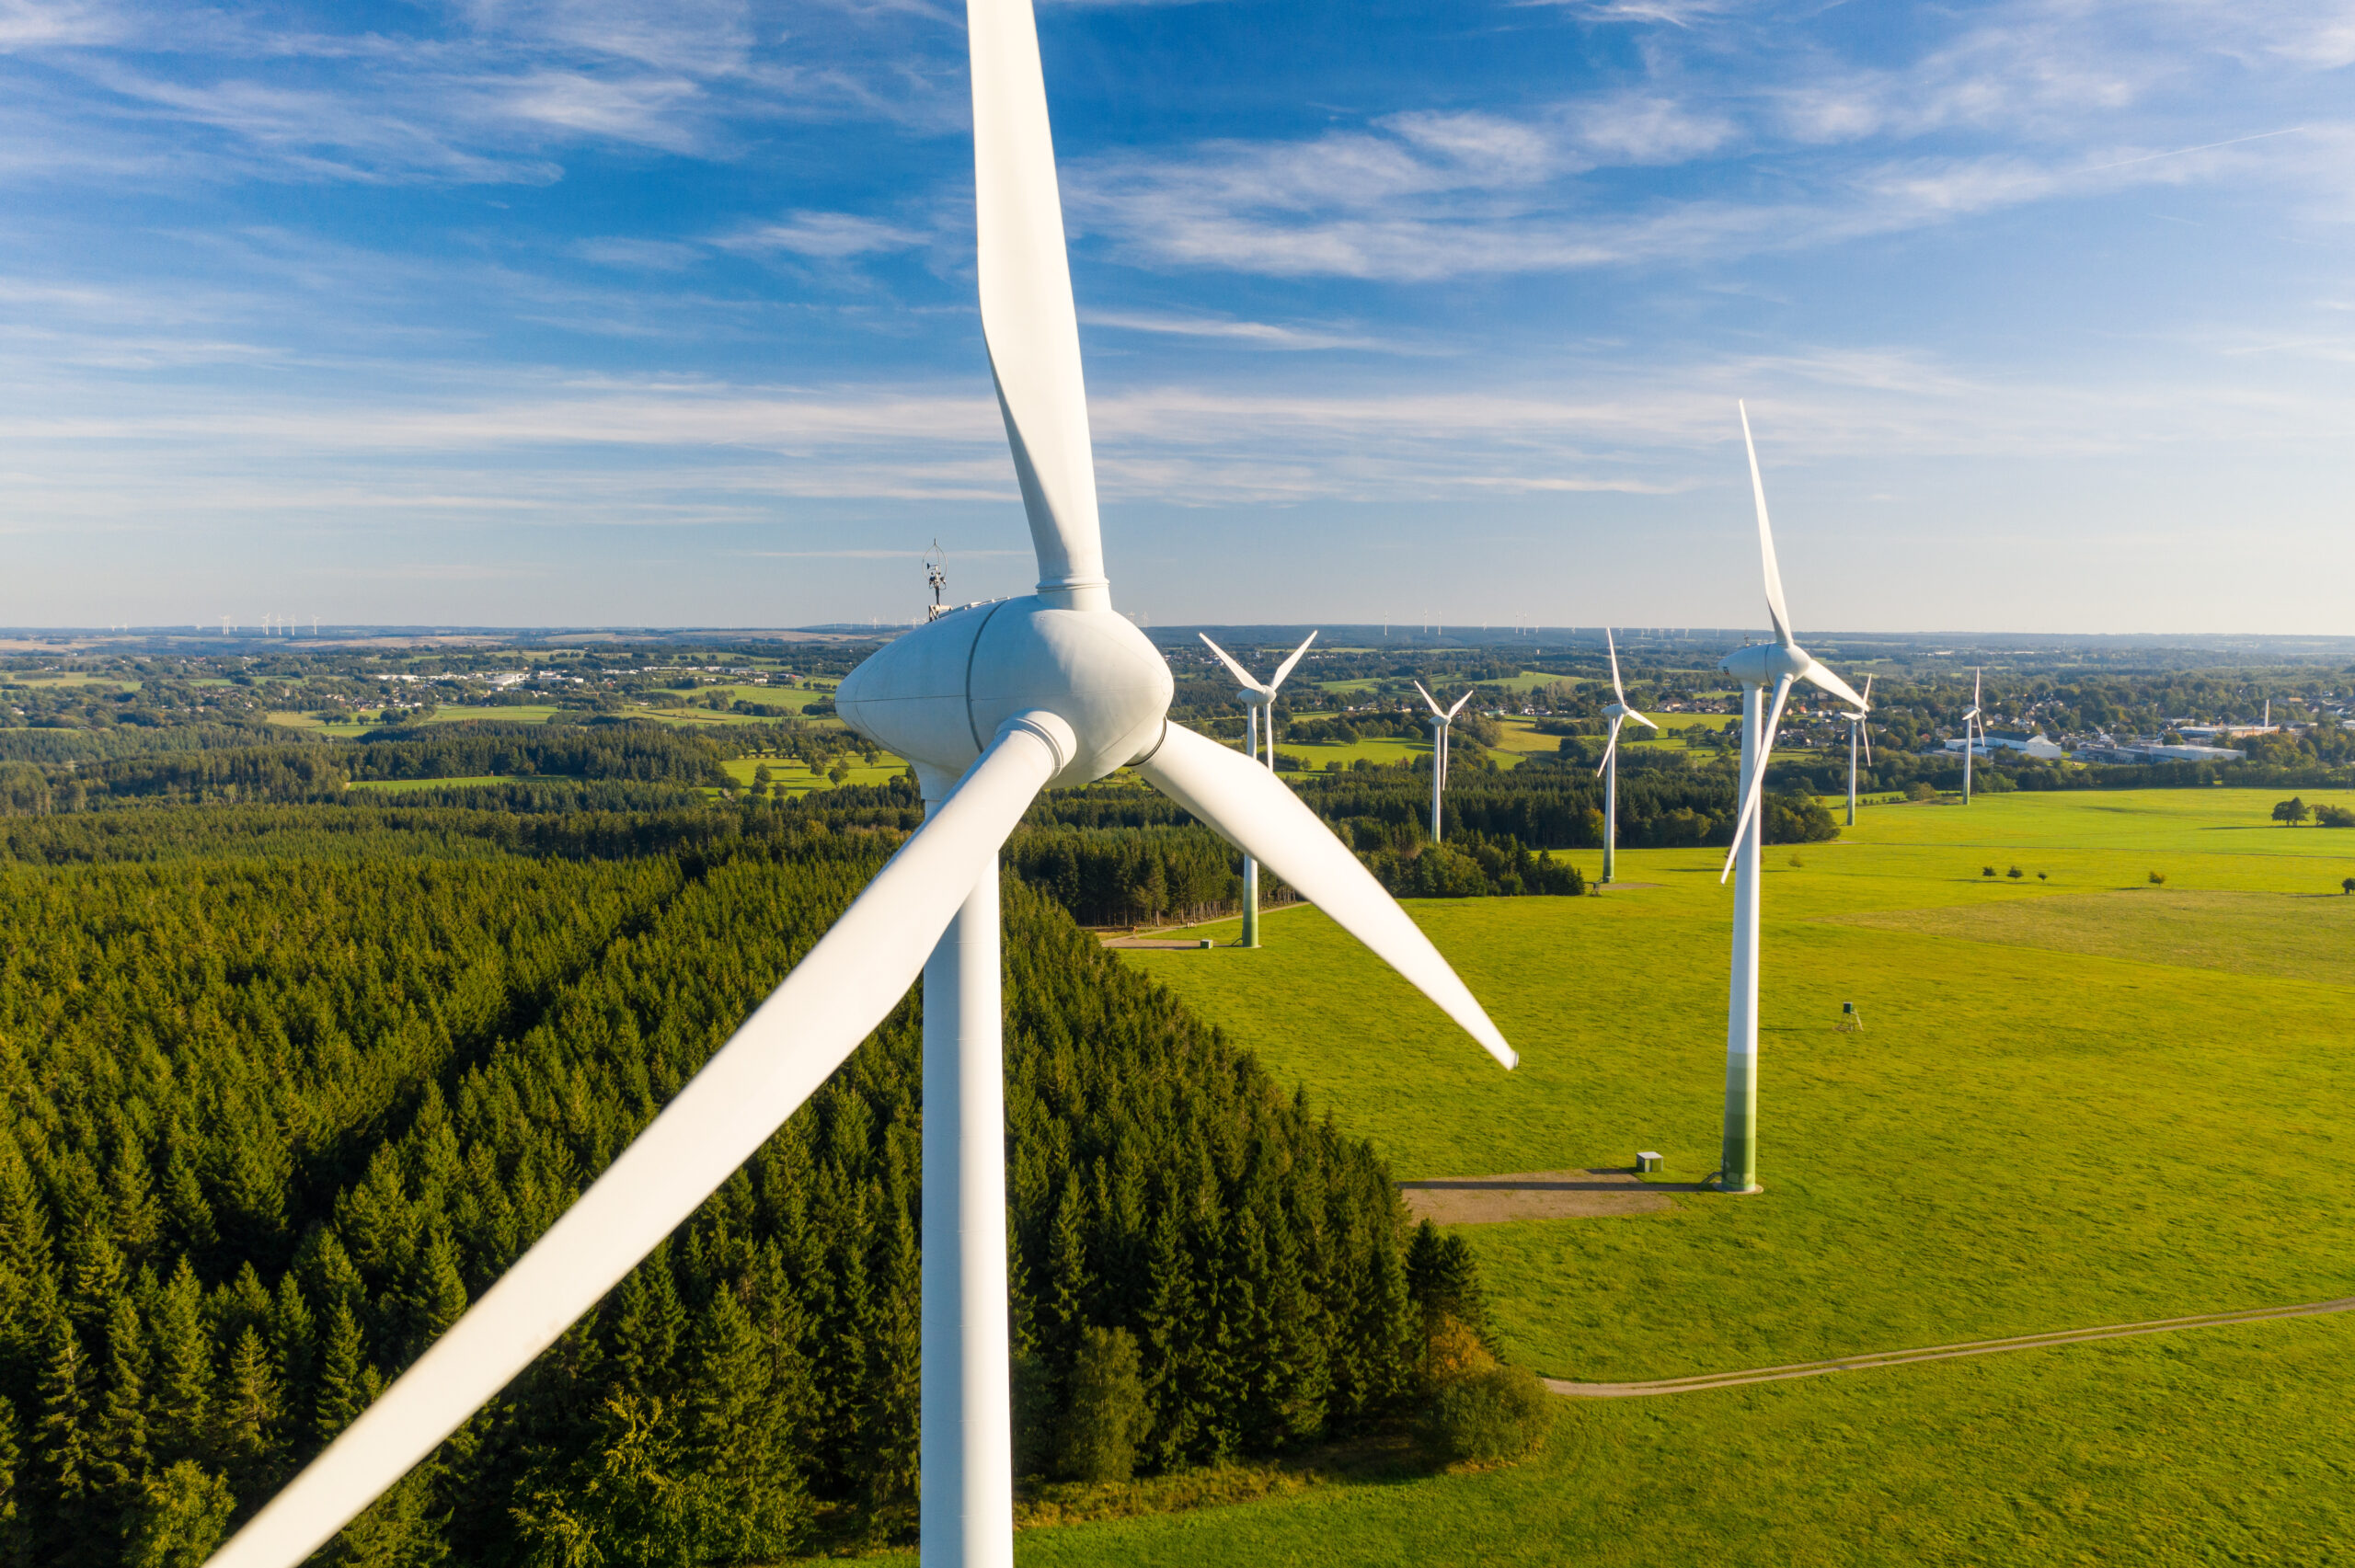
[(1938, 1353), (1536, 1195)]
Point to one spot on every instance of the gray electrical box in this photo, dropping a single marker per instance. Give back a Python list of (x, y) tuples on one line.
[(1646, 1161)]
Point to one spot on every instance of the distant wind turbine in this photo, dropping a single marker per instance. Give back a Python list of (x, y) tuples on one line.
[(1442, 721), (1971, 725), (1856, 730), (1780, 664), (1256, 696), (1618, 713)]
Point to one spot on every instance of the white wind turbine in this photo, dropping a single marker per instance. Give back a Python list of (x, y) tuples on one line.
[(1442, 722), (1618, 713), (1256, 696), (1972, 727), (1779, 664), (992, 704), (1856, 731)]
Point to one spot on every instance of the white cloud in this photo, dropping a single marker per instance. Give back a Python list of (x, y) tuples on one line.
[(649, 255), (34, 24), (823, 236), (1253, 334)]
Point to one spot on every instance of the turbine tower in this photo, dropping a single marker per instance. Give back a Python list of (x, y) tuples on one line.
[(1442, 721), (992, 704), (1857, 731), (1256, 696), (1972, 729), (1779, 664), (1618, 713)]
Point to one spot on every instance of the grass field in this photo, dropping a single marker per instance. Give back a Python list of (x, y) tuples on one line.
[(1382, 749), (798, 780), (2083, 1100)]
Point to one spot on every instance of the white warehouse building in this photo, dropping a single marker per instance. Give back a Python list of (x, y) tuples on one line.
[(2034, 744)]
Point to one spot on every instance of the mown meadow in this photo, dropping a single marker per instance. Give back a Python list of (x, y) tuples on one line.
[(2082, 1097)]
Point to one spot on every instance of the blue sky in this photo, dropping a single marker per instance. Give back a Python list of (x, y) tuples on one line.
[(661, 314)]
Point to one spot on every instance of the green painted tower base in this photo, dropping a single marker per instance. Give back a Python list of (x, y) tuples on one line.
[(1250, 937)]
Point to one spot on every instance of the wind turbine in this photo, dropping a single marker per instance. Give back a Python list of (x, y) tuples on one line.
[(1618, 713), (1971, 728), (1256, 696), (1856, 730), (1442, 721), (1780, 664), (992, 704)]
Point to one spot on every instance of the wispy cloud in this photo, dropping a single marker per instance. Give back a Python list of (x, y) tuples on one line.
[(1253, 334), (824, 236)]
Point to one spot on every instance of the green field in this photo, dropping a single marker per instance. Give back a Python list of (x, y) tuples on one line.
[(2083, 1100), (798, 780), (1380, 748)]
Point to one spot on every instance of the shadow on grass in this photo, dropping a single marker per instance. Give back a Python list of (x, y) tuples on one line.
[(1389, 1458)]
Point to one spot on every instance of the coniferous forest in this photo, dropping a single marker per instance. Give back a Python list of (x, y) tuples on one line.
[(288, 1085)]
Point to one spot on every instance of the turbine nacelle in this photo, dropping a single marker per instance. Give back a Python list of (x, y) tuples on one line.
[(939, 695), (1764, 664)]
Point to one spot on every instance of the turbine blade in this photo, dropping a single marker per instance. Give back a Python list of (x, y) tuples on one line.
[(1616, 690), (1867, 731), (1228, 659), (1285, 668), (1028, 318), (1609, 746), (1821, 675), (1756, 785), (1428, 698), (1774, 606), (1639, 718), (1869, 692), (1251, 809), (831, 1001), (1459, 705)]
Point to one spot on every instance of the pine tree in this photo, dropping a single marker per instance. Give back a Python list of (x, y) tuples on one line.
[(1106, 1417), (1297, 1378), (648, 1328), (136, 1217), (95, 1265), (188, 1214), (118, 1452), (748, 1504), (24, 1223), (181, 1424), (343, 1391), (1168, 1323), (293, 1337), (63, 1436), (1068, 1281), (249, 1404), (895, 1388), (11, 1450), (436, 1296), (181, 1517)]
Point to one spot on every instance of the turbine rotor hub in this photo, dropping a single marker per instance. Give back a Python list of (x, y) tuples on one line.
[(1762, 664), (938, 695)]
